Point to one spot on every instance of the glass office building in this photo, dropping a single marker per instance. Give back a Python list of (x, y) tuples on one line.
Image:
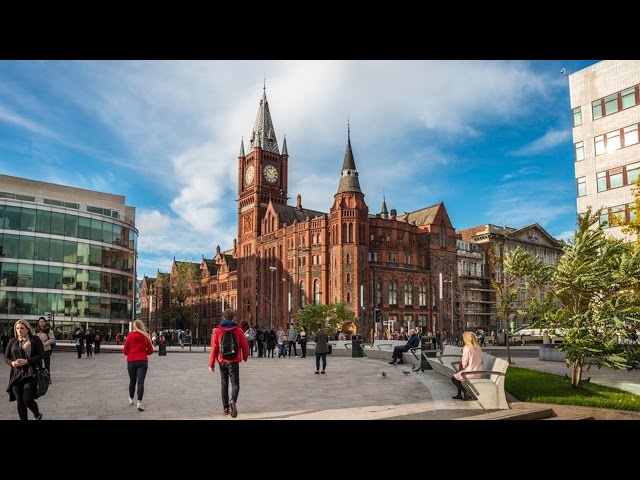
[(66, 252)]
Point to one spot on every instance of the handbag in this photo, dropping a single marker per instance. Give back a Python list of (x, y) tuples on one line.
[(43, 380)]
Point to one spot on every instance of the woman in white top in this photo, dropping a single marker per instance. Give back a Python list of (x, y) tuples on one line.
[(471, 361)]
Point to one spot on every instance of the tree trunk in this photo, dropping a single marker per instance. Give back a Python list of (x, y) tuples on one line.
[(576, 372)]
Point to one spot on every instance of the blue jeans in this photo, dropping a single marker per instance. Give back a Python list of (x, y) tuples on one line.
[(229, 371), (137, 373), (324, 361)]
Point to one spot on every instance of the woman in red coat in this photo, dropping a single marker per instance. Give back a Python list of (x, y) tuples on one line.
[(137, 347)]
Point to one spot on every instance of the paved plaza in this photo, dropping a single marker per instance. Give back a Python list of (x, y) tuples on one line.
[(179, 386)]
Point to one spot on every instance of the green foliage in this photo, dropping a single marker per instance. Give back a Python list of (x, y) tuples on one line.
[(632, 227), (184, 278), (534, 386), (333, 316), (592, 294)]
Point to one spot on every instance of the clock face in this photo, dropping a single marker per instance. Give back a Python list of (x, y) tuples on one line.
[(249, 175), (270, 173)]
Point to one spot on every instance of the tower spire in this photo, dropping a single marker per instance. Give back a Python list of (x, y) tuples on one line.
[(284, 145), (384, 213), (263, 134), (349, 175), (241, 154)]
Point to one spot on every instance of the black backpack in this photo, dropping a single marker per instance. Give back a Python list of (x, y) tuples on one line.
[(229, 345)]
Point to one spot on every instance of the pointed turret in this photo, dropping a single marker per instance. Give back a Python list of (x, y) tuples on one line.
[(349, 175), (263, 134), (384, 213), (241, 154), (284, 146)]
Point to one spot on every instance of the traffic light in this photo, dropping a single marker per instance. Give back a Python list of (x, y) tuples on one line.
[(49, 317), (376, 314)]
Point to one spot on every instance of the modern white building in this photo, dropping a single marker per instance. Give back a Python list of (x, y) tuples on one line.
[(66, 252), (606, 115)]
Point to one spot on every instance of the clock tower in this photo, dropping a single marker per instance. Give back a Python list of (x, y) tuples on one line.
[(262, 178)]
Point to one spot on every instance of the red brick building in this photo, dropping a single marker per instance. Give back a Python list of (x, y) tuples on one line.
[(287, 256)]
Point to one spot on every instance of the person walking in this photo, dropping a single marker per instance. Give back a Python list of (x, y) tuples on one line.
[(46, 335), (88, 338), (137, 348), (322, 341), (78, 337), (97, 341), (471, 361), (229, 367), (24, 353), (250, 335)]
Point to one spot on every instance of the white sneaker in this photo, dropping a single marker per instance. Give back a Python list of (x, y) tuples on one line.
[(130, 401), (140, 407)]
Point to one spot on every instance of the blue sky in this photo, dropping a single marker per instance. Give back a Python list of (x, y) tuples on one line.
[(490, 139)]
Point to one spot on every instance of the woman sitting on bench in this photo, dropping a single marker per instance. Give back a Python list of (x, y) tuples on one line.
[(471, 361)]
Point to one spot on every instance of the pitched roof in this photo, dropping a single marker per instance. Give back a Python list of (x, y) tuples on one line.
[(424, 216), (288, 214)]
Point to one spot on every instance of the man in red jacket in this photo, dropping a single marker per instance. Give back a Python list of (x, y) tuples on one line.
[(229, 368)]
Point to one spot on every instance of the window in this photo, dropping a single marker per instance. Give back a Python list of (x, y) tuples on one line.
[(579, 148), (604, 219), (632, 172), (577, 116), (348, 297), (348, 278), (316, 291), (611, 104), (422, 295), (582, 186), (631, 208), (599, 144), (602, 181), (408, 294), (393, 293), (596, 108), (628, 97), (378, 293), (630, 135), (613, 141), (616, 179), (616, 215)]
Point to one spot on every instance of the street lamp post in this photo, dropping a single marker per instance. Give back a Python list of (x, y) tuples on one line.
[(273, 269), (299, 250), (452, 320)]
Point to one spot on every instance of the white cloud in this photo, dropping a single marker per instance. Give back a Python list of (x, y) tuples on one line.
[(566, 235), (521, 172), (177, 126), (549, 140)]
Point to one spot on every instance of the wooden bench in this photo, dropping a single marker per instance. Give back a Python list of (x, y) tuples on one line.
[(489, 389)]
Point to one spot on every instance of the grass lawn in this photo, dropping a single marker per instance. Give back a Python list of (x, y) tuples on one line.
[(534, 386)]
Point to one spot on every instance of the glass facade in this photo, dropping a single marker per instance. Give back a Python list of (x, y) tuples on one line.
[(77, 265)]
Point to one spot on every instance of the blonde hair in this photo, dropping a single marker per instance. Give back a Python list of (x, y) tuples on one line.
[(470, 339), (26, 324), (138, 326)]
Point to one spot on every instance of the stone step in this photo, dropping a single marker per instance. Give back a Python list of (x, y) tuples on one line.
[(515, 414)]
